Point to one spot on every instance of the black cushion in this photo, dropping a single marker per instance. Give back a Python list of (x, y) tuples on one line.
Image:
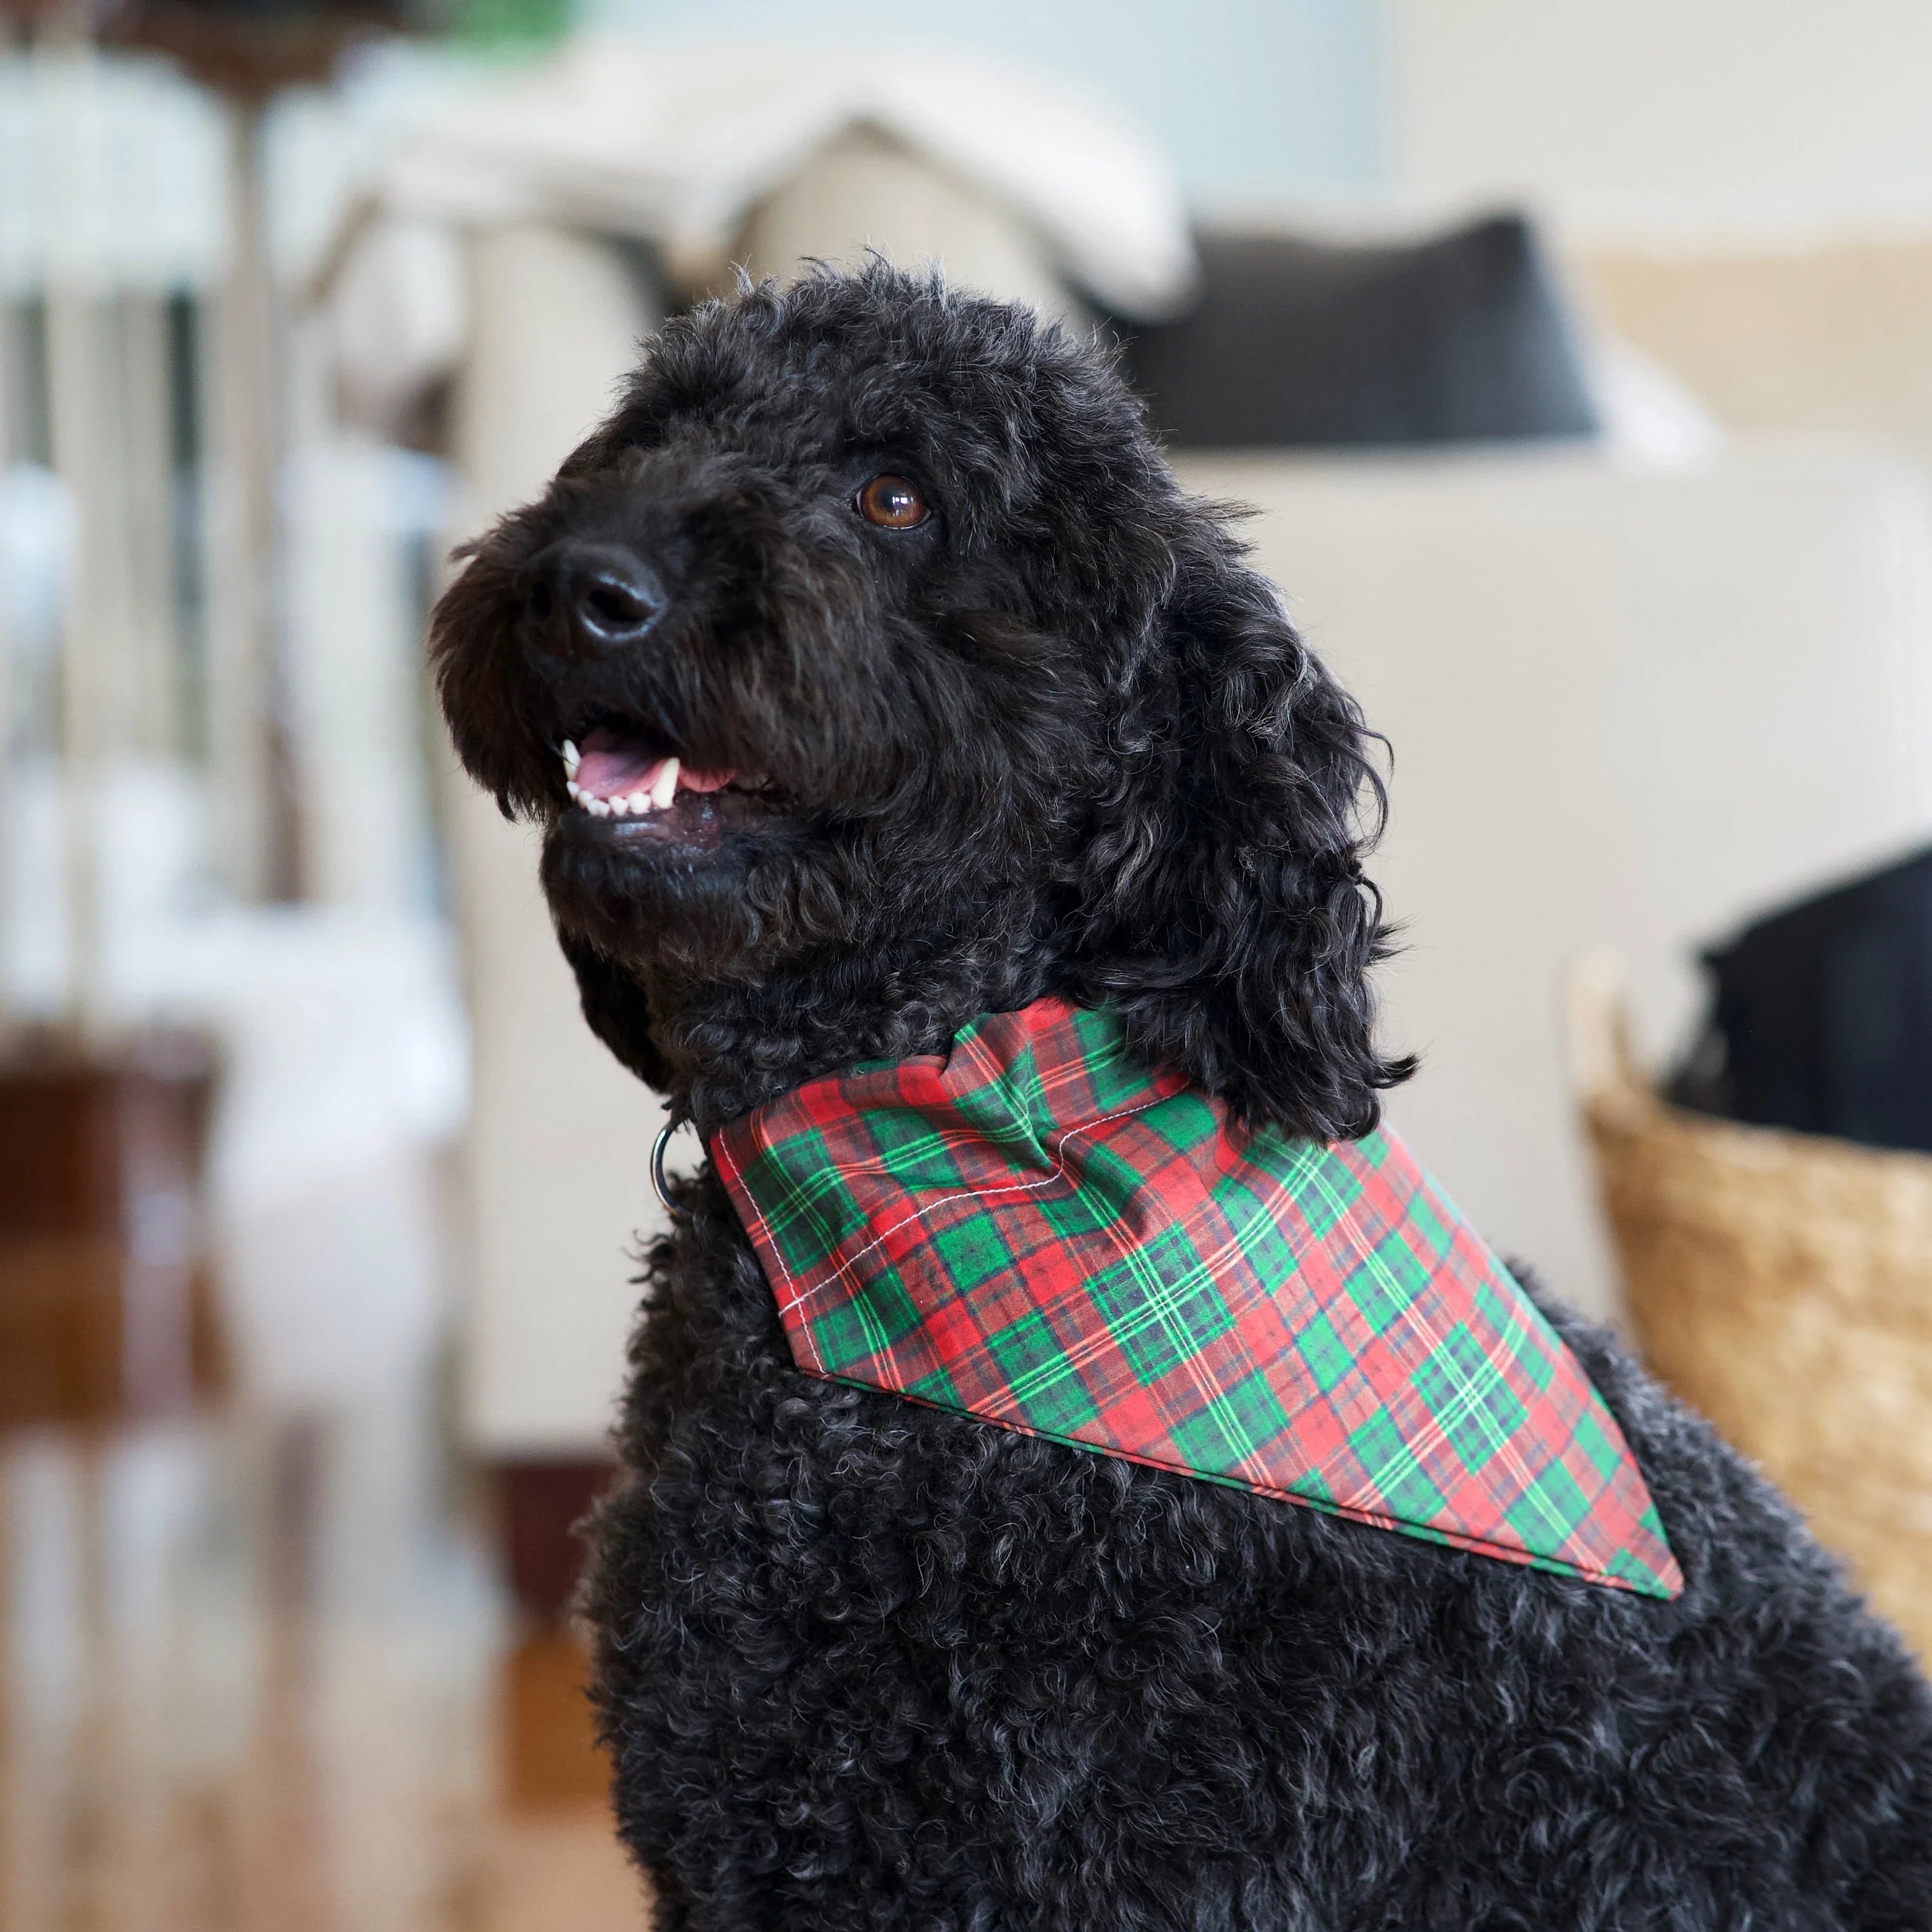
[(1822, 1016), (1460, 337)]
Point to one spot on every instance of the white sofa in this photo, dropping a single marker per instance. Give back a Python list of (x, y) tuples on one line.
[(1626, 708)]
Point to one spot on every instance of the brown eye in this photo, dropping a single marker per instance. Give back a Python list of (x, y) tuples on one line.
[(892, 503)]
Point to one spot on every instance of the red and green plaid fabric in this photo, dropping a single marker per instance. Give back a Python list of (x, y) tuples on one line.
[(1034, 1229)]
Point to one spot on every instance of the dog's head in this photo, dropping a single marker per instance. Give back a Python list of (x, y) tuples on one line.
[(869, 657)]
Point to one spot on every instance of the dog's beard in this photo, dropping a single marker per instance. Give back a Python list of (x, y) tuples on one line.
[(860, 897), (779, 850), (691, 911)]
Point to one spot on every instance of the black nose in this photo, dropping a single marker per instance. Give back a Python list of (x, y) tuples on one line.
[(609, 598)]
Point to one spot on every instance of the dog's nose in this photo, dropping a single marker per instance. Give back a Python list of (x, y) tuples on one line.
[(609, 598)]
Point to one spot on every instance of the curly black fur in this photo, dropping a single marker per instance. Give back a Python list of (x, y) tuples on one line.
[(863, 1664)]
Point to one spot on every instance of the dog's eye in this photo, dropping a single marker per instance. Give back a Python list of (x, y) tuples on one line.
[(892, 503)]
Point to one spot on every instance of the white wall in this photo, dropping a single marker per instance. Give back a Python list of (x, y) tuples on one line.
[(1253, 100), (1696, 119)]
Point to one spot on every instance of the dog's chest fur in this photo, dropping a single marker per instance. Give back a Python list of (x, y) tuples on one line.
[(866, 1664)]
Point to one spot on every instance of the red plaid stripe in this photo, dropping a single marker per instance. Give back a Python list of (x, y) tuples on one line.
[(1035, 1230)]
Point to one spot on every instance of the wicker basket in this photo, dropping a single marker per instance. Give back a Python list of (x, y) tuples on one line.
[(1782, 1284)]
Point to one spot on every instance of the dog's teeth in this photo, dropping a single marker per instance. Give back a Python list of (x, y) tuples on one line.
[(620, 808), (665, 789), (575, 790), (572, 758), (640, 802), (598, 807)]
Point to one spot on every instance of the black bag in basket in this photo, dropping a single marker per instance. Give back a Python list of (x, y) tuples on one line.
[(1821, 1017)]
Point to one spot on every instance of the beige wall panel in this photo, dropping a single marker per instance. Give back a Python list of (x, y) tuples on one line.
[(1836, 339)]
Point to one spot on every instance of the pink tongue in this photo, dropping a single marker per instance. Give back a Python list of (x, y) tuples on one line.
[(610, 765)]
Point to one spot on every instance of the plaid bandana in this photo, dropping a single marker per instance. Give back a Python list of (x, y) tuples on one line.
[(1035, 1230)]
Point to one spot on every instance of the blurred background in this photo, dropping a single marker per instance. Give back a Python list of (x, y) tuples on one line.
[(1577, 362)]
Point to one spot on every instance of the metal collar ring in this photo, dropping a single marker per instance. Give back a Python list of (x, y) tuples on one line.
[(660, 1186)]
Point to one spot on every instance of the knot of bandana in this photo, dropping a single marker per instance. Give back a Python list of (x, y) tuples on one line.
[(1035, 1230)]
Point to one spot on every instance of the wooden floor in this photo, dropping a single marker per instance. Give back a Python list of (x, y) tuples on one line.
[(255, 1677)]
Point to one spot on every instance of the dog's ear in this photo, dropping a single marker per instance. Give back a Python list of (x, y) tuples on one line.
[(617, 1011), (1226, 916)]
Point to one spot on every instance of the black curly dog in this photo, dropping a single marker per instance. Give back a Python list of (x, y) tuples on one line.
[(988, 709)]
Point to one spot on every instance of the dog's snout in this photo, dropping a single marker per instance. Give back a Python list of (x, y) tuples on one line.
[(609, 597)]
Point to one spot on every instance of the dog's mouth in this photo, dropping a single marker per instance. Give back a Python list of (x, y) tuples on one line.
[(624, 779)]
